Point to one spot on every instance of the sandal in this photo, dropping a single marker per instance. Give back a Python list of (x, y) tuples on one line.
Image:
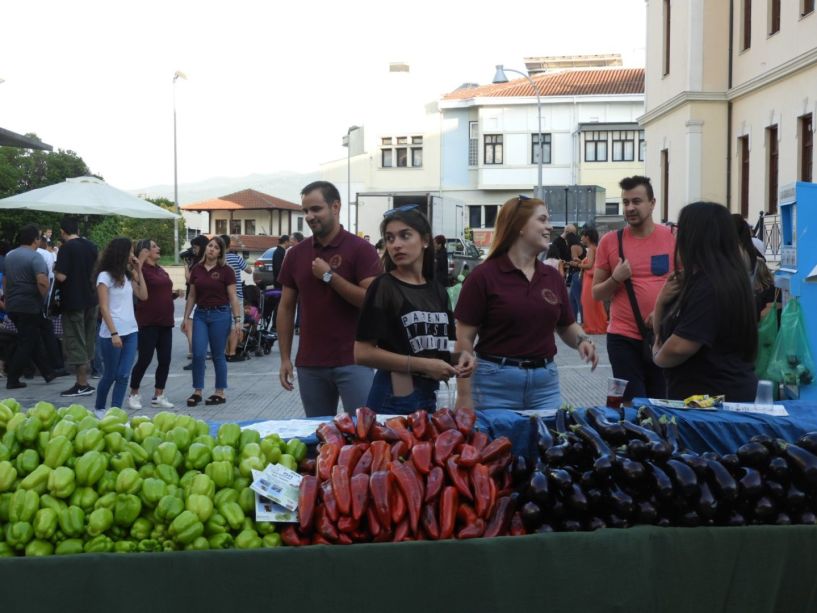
[(215, 399), (194, 400)]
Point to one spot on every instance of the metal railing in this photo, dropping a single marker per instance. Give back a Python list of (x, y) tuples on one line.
[(767, 229)]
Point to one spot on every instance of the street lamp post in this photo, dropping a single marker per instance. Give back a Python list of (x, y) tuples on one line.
[(500, 77), (347, 142), (178, 75)]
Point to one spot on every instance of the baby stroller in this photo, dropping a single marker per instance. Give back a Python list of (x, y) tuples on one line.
[(256, 338)]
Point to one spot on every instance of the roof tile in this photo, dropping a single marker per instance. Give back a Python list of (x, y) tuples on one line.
[(247, 199)]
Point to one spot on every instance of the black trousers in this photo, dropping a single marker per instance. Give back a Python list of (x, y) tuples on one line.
[(158, 339), (31, 330), (628, 362)]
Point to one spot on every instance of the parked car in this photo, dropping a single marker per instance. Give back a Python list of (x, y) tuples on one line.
[(262, 269), (463, 257)]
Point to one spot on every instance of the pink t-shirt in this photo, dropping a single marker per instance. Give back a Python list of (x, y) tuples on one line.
[(651, 260)]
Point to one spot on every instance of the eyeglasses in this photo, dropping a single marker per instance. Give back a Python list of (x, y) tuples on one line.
[(401, 209)]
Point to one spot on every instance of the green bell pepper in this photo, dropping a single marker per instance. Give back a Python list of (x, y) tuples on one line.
[(99, 544), (66, 428), (77, 412), (28, 430), (272, 539), (122, 460), (6, 413), (246, 500), (222, 540), (87, 423), (233, 513), (45, 523), (186, 528), (141, 529), (221, 473), (128, 481), (15, 422), (112, 423), (143, 430), (251, 450), (168, 453), (37, 479), (140, 456), (202, 484), (200, 544), (206, 440), (8, 475), (216, 525), (153, 490), (69, 547), (39, 547), (198, 456), (42, 442), (5, 454), (202, 427), (201, 505), (264, 527), (106, 501), (165, 420), (11, 443), (27, 461), (167, 473), (149, 545), (247, 465), (57, 451), (85, 498), (187, 478), (23, 506), (5, 505), (72, 521), (61, 482), (240, 482), (288, 461), (181, 437), (223, 453), (46, 412), (248, 539), (107, 483), (147, 471), (271, 450), (228, 494), (91, 439), (49, 502), (248, 436), (151, 444), (114, 442), (124, 547), (90, 467), (5, 549), (18, 534), (126, 509), (297, 449), (229, 434), (187, 422), (169, 508), (99, 521)]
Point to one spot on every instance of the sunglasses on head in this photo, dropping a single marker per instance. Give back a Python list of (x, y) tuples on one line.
[(401, 209)]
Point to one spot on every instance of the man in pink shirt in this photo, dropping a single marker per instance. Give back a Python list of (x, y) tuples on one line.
[(648, 261)]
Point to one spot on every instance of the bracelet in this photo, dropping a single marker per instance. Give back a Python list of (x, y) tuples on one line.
[(114, 333), (583, 338)]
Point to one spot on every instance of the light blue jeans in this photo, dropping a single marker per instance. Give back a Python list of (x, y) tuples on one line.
[(210, 326), (321, 387), (382, 399), (117, 364), (495, 386)]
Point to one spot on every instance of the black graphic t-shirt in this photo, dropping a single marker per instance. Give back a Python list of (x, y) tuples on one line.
[(407, 319)]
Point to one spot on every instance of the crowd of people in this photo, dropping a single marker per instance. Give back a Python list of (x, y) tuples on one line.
[(679, 309)]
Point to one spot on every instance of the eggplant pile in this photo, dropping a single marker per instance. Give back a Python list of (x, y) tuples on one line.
[(590, 473)]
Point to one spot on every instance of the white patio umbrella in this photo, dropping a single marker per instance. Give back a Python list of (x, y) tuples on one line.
[(85, 196)]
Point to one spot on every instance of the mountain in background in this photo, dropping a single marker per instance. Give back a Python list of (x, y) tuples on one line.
[(286, 185)]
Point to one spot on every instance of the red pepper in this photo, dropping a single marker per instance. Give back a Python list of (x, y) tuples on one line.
[(500, 519), (465, 419), (341, 489), (418, 421), (383, 433), (472, 531), (448, 511), (443, 420), (399, 450), (383, 537), (445, 445), (401, 532), (434, 483), (372, 521), (458, 477), (466, 514), (365, 418), (360, 536), (482, 490), (429, 520), (479, 440), (496, 449), (344, 539), (381, 456), (399, 425), (360, 495), (325, 526), (317, 539), (290, 536), (327, 457), (307, 496), (397, 502), (380, 488), (469, 456), (421, 456), (308, 466), (344, 423), (492, 499), (364, 464), (347, 524), (408, 484), (349, 456), (329, 502), (327, 432), (517, 527)]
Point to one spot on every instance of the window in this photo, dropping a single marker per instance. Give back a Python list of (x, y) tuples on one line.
[(300, 224), (545, 149), (402, 157), (806, 148), (249, 227), (490, 215), (806, 7), (623, 146), (474, 216), (642, 146), (221, 226), (192, 233), (746, 26), (595, 146), (417, 157), (385, 141), (416, 140), (493, 149), (473, 143), (235, 226), (387, 159), (398, 157), (402, 140), (774, 17), (665, 184), (771, 151), (743, 148), (667, 21)]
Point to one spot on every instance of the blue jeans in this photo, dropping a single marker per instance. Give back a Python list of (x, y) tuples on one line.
[(210, 326), (382, 399), (320, 388), (495, 386), (117, 366), (576, 294)]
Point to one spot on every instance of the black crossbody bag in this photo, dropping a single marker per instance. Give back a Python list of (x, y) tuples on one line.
[(647, 335)]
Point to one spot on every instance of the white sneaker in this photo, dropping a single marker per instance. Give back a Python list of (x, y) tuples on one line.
[(135, 402), (161, 402)]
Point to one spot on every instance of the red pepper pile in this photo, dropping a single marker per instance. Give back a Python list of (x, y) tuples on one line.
[(414, 478)]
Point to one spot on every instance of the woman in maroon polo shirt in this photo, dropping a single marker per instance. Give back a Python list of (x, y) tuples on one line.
[(155, 319), (515, 303), (212, 290)]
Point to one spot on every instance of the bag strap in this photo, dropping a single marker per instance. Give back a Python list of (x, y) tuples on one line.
[(628, 285)]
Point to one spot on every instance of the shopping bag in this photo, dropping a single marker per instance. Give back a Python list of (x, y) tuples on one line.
[(454, 292), (791, 362), (766, 337)]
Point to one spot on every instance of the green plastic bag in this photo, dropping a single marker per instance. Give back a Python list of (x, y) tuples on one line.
[(791, 362), (454, 292), (766, 337)]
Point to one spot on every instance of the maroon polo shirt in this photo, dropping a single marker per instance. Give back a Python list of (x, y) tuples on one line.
[(211, 285), (157, 310), (516, 318), (328, 322)]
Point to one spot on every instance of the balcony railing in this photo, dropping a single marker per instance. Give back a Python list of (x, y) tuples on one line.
[(767, 229)]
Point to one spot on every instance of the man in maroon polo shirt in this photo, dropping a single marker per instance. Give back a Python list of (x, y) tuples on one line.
[(329, 273)]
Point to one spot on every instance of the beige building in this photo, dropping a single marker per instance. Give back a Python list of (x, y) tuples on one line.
[(730, 103)]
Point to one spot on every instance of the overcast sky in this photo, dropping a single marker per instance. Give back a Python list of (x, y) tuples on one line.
[(271, 86)]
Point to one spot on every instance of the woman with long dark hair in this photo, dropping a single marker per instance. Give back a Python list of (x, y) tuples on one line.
[(119, 279), (515, 303), (761, 279), (406, 321), (704, 320), (594, 317)]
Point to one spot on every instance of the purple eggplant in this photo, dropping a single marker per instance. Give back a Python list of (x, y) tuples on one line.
[(614, 521), (795, 498), (594, 523), (723, 484), (662, 483), (632, 472), (645, 512), (782, 519), (561, 421), (576, 499), (696, 463), (802, 461), (750, 483), (706, 506), (544, 529), (560, 479), (754, 455), (731, 462), (778, 469), (807, 518), (570, 525), (532, 515), (638, 450), (808, 442), (620, 501), (647, 414), (690, 519), (765, 508), (774, 489), (735, 519), (683, 477), (538, 489), (612, 432)]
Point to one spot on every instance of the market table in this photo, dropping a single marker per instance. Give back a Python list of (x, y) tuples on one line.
[(754, 569)]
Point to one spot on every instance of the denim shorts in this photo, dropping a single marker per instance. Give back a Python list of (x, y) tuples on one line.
[(382, 399), (498, 386)]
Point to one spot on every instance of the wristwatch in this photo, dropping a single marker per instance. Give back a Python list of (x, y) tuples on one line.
[(327, 276)]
